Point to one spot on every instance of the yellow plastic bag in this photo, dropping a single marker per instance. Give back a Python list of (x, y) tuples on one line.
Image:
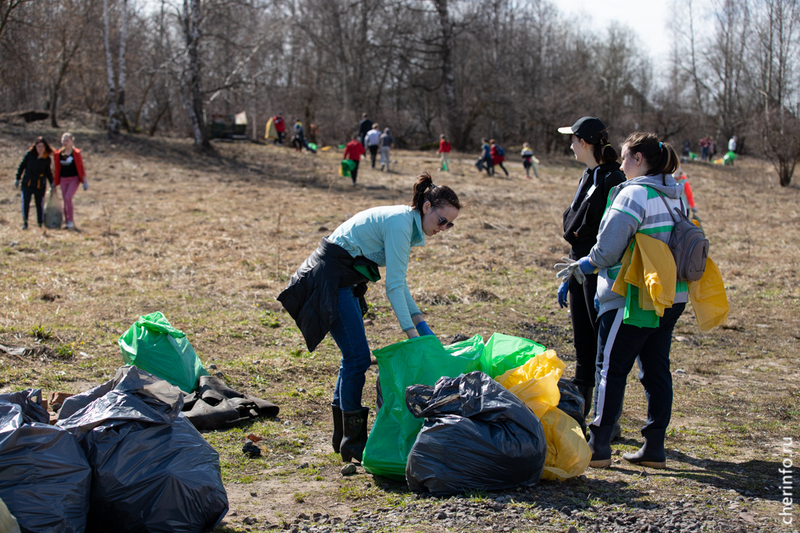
[(708, 298), (536, 382), (568, 453)]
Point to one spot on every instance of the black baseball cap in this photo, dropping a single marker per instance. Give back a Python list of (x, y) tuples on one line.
[(587, 128)]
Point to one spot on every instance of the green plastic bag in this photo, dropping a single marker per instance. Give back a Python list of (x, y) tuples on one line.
[(346, 168), (504, 352), (312, 147), (421, 360), (153, 345)]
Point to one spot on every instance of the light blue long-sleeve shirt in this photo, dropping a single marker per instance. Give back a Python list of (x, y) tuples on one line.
[(385, 235)]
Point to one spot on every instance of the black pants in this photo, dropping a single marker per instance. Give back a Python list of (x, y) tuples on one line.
[(373, 151), (584, 328), (500, 164), (38, 198), (489, 165), (619, 345), (354, 172)]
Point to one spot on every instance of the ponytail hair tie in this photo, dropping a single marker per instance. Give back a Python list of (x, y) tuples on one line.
[(661, 145), (432, 186)]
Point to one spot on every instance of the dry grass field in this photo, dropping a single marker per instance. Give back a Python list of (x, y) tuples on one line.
[(210, 240)]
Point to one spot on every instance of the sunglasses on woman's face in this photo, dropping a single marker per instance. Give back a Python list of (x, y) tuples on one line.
[(443, 223)]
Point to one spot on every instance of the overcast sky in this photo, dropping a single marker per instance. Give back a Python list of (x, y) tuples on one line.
[(650, 20)]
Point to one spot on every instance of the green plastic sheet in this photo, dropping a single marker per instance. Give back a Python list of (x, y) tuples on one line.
[(153, 345), (422, 361)]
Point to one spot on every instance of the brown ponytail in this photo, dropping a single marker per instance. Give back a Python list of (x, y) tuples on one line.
[(603, 151), (660, 156), (438, 195)]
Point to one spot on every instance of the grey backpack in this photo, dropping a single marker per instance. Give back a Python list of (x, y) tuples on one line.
[(688, 245)]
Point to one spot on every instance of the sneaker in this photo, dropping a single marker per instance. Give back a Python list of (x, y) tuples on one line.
[(69, 225), (24, 225)]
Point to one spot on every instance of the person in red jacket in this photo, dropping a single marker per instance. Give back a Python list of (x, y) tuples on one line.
[(280, 126), (353, 151), (444, 153), (69, 174), (498, 155)]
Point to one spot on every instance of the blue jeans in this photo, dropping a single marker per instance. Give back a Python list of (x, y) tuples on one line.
[(351, 338)]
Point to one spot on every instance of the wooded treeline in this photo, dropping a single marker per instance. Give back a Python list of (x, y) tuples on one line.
[(512, 70)]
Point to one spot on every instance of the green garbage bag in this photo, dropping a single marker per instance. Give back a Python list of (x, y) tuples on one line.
[(346, 168), (693, 156), (504, 352), (312, 147), (729, 158), (421, 360), (153, 345)]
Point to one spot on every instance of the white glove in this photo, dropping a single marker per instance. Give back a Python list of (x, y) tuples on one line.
[(569, 268), (85, 185)]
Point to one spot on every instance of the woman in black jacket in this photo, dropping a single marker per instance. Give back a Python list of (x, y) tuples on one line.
[(581, 223), (36, 166)]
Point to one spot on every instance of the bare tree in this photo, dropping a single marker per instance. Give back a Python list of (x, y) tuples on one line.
[(66, 28), (777, 50), (116, 88), (7, 8), (192, 19)]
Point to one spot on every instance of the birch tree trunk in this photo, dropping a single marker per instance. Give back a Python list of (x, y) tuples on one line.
[(113, 119), (121, 117), (452, 111), (192, 91)]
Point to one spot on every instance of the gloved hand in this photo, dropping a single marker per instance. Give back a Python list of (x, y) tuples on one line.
[(563, 291), (596, 303), (16, 184), (424, 329), (568, 269), (85, 185), (586, 266)]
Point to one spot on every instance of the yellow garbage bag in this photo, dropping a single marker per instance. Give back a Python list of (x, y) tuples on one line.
[(708, 298), (536, 382), (568, 453)]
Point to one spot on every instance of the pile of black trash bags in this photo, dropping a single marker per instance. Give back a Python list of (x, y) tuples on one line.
[(121, 457), (476, 435)]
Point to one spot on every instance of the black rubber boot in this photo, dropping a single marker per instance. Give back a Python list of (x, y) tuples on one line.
[(355, 434), (651, 454), (587, 391), (600, 444), (617, 433), (336, 439)]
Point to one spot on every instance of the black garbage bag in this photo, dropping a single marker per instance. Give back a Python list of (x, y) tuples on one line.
[(152, 470), (572, 401), (44, 476), (476, 435)]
